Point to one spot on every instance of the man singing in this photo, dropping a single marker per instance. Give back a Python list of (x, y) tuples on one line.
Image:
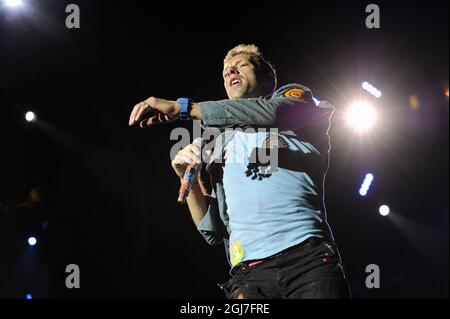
[(272, 221)]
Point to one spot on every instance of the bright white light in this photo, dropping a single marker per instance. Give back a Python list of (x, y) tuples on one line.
[(371, 89), (30, 116), (13, 3), (366, 184), (28, 296), (316, 101), (32, 241), (361, 116), (384, 210)]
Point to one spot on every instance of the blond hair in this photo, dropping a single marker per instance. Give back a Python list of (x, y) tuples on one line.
[(240, 49), (263, 68)]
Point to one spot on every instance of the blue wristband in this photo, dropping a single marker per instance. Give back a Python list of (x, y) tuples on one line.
[(185, 107)]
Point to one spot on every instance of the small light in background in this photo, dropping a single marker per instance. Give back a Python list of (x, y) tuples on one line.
[(30, 116), (371, 89), (384, 210), (366, 184), (28, 296), (446, 92), (32, 241), (413, 102), (362, 192), (316, 101)]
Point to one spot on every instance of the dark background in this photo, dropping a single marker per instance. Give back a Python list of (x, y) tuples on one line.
[(108, 192)]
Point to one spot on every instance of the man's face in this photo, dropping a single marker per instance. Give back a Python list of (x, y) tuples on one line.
[(240, 78)]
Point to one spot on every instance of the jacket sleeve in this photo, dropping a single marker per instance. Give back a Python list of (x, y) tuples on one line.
[(290, 107)]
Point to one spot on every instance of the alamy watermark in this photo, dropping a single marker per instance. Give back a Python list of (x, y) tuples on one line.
[(73, 279), (215, 147), (373, 19), (73, 19), (373, 279)]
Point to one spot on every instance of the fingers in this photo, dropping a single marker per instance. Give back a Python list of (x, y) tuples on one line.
[(156, 119), (137, 109), (166, 112), (197, 142), (133, 112), (149, 121), (195, 149), (194, 153), (141, 111), (207, 155), (163, 118), (184, 159), (142, 108), (189, 155)]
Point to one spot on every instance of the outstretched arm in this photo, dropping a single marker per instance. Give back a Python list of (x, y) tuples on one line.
[(291, 107)]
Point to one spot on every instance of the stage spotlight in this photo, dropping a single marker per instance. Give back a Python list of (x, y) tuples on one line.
[(384, 210), (28, 296), (371, 89), (363, 191), (13, 3), (361, 116), (32, 241), (30, 116), (366, 184)]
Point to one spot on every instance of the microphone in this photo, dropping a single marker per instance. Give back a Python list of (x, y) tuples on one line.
[(189, 176)]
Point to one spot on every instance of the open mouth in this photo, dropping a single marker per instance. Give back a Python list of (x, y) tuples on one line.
[(235, 83)]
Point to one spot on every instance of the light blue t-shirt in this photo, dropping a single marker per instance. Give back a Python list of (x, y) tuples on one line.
[(257, 212), (270, 211)]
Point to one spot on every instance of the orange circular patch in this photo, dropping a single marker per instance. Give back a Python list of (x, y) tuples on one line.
[(294, 93)]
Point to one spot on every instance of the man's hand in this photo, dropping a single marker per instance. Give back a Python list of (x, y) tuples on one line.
[(160, 111), (190, 155)]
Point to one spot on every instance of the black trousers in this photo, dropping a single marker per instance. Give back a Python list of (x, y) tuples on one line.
[(310, 270)]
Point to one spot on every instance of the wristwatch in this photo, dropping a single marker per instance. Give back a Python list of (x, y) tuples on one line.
[(185, 108)]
